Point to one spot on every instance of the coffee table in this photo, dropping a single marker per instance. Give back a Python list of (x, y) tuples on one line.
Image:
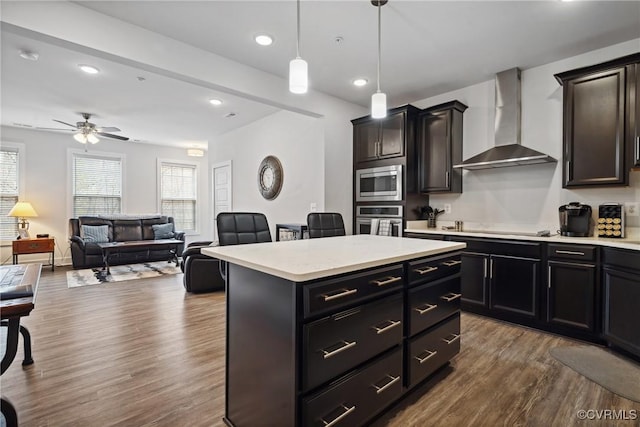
[(110, 247)]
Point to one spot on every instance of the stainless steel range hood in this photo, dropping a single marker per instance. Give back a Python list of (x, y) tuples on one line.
[(507, 150)]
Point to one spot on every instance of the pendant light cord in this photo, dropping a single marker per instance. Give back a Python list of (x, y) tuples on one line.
[(379, 43), (298, 31)]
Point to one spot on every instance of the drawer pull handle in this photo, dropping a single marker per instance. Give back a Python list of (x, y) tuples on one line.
[(570, 253), (452, 340), (424, 359), (347, 345), (340, 295), (339, 417), (450, 297), (451, 263), (425, 270), (390, 280), (391, 325), (424, 310), (387, 385)]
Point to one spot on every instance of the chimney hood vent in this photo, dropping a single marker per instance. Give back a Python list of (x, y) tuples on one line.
[(507, 150)]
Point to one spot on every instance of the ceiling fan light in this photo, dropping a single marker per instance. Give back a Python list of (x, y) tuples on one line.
[(379, 105), (89, 69), (80, 137), (298, 79), (92, 138)]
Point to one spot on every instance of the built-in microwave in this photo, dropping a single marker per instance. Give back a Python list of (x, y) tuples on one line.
[(379, 184)]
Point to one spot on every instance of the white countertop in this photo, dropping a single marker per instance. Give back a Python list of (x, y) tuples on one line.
[(632, 241), (308, 259)]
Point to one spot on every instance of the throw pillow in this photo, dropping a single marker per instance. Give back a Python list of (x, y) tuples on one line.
[(163, 231), (95, 233)]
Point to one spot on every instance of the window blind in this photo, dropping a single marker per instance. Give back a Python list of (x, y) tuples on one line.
[(8, 192), (178, 194), (97, 185)]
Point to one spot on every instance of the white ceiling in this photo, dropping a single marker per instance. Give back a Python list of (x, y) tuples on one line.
[(428, 47)]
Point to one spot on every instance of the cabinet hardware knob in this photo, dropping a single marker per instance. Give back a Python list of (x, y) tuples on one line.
[(425, 310), (386, 282), (452, 340), (392, 381), (393, 324), (340, 295), (339, 417), (424, 359), (451, 263), (425, 270), (347, 345), (450, 297)]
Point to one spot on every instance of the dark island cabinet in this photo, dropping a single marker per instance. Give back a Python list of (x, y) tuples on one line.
[(439, 144), (621, 277), (599, 114), (572, 279), (389, 137)]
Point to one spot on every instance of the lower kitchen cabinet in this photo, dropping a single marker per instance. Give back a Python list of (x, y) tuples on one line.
[(621, 279), (474, 281), (514, 285)]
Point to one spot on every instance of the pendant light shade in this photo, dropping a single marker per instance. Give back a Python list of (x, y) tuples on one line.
[(379, 99), (298, 80)]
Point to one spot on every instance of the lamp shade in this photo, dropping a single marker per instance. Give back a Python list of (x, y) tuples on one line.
[(298, 80), (22, 210), (378, 105)]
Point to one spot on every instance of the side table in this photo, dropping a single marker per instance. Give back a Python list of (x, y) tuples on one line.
[(34, 246)]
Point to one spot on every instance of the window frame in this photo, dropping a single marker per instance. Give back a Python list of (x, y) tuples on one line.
[(177, 162), (20, 148), (72, 153)]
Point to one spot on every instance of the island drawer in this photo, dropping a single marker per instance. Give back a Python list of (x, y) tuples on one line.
[(427, 352), (426, 270), (429, 304), (573, 252), (358, 397), (340, 292), (336, 344)]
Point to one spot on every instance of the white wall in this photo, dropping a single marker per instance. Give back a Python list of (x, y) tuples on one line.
[(46, 185), (298, 142), (526, 196)]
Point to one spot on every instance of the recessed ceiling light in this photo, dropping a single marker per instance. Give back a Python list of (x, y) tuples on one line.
[(89, 69), (360, 82), (264, 40), (30, 55), (215, 101)]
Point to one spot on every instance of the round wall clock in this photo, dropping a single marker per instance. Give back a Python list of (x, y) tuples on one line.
[(270, 177)]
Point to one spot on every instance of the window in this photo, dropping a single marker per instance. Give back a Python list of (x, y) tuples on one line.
[(9, 191), (178, 193), (96, 184)]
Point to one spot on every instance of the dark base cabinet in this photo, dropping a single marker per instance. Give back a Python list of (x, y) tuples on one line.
[(622, 299), (571, 295), (336, 351)]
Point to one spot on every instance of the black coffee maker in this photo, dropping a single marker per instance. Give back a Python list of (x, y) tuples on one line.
[(575, 220)]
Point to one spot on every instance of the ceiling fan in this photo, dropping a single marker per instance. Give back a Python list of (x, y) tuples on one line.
[(87, 131)]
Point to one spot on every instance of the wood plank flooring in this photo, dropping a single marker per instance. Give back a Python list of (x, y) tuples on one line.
[(146, 353)]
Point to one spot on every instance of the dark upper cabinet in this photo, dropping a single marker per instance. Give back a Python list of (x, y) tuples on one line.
[(439, 144), (634, 119), (598, 105), (392, 136)]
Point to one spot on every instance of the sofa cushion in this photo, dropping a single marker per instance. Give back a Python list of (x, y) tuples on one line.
[(95, 233), (147, 223), (125, 230), (163, 231), (92, 220)]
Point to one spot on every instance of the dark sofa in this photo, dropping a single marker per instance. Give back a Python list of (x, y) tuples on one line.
[(85, 254)]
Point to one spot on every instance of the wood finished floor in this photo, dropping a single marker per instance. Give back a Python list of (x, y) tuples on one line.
[(146, 353)]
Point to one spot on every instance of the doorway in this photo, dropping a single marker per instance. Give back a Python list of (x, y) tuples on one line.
[(221, 191)]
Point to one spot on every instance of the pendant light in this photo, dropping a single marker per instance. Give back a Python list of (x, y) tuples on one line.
[(298, 80), (379, 99), (84, 137)]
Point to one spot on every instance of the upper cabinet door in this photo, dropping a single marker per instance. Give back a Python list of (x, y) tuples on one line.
[(440, 147), (634, 118), (376, 139), (366, 137), (392, 135), (594, 132)]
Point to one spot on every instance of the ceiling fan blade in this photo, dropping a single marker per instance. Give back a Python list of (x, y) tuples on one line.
[(64, 123), (110, 135), (65, 130), (107, 129)]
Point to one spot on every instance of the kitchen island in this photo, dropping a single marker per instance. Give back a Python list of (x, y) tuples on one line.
[(332, 331)]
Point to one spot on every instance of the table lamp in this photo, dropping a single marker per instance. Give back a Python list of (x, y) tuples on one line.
[(23, 210)]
